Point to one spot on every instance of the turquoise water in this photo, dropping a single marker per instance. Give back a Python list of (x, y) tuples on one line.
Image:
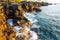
[(48, 23)]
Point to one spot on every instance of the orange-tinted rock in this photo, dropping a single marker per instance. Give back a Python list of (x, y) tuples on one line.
[(6, 31)]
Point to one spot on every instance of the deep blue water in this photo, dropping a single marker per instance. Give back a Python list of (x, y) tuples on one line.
[(48, 23)]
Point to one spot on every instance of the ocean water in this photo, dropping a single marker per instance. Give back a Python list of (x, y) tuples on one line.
[(45, 24)]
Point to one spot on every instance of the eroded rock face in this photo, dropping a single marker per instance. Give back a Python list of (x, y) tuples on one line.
[(6, 31), (17, 14)]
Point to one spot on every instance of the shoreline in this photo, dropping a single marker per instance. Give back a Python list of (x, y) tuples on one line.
[(16, 12)]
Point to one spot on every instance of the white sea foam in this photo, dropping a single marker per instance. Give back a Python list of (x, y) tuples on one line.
[(35, 26), (17, 28), (34, 36), (30, 17)]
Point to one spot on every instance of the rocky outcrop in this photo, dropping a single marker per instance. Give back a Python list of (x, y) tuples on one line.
[(6, 31), (15, 12)]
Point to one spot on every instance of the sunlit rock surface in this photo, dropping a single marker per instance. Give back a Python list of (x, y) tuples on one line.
[(6, 31)]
